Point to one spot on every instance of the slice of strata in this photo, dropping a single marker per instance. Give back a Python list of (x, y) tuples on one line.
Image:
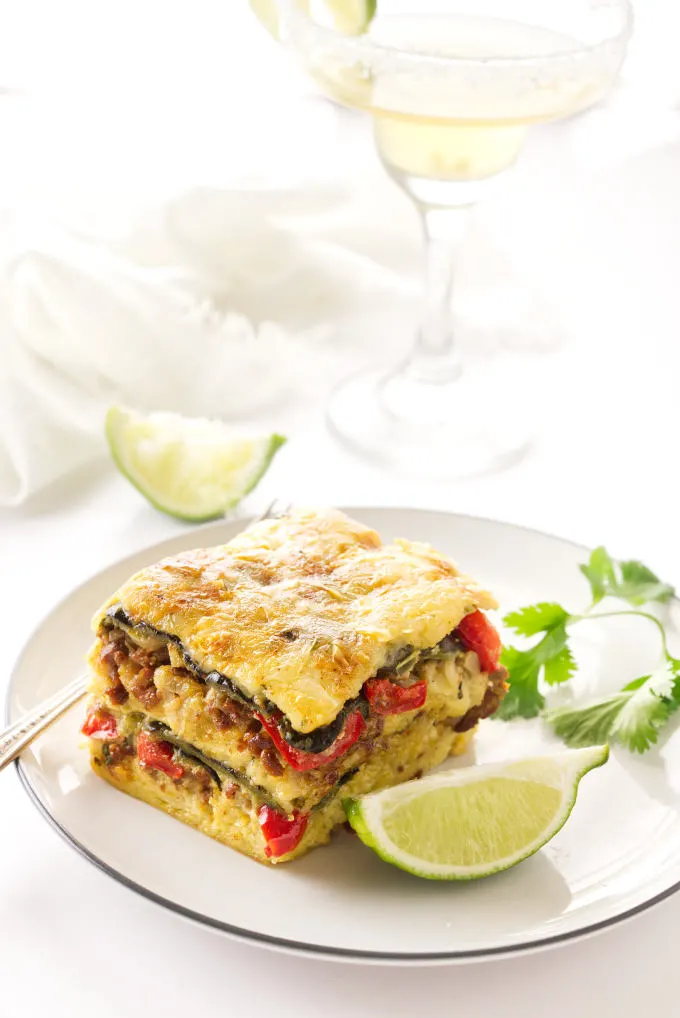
[(245, 689)]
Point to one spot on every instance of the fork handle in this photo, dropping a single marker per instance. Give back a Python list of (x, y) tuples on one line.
[(18, 736)]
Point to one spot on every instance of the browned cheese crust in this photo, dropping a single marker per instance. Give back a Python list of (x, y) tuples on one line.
[(301, 611)]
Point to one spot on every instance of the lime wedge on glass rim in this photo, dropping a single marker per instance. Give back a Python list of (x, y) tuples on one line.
[(191, 468), (351, 17), (474, 821)]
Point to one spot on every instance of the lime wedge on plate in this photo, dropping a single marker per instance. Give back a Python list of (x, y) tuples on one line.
[(474, 821), (351, 17), (190, 468)]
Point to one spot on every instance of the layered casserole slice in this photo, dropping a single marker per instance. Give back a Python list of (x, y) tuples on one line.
[(246, 689)]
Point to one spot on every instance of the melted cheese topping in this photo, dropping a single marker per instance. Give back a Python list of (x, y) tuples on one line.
[(302, 610)]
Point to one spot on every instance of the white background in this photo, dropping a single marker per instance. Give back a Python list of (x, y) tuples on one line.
[(591, 218)]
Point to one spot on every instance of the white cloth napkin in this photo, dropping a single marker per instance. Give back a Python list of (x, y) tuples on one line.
[(210, 307)]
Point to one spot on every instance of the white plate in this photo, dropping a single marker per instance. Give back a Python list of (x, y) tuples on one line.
[(618, 854)]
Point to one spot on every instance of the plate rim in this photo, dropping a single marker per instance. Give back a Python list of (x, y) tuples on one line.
[(285, 944)]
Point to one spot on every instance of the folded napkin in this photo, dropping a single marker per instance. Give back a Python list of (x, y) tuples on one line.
[(211, 308)]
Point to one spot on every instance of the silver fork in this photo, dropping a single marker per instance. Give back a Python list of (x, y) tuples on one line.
[(20, 734)]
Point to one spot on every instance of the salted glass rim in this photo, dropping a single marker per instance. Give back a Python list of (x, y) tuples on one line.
[(361, 48)]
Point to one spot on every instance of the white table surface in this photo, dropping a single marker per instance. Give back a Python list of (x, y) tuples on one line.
[(72, 942)]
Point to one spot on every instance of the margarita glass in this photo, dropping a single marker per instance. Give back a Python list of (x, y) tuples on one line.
[(452, 89)]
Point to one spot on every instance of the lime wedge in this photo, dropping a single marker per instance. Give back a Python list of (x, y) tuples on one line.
[(190, 468), (268, 14), (474, 821), (351, 17)]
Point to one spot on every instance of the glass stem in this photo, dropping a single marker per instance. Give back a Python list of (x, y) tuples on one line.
[(434, 357)]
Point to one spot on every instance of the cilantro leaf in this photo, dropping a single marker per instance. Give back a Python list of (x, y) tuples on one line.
[(636, 683), (523, 699), (550, 654), (639, 584), (599, 571), (631, 718), (674, 666), (630, 581), (586, 726), (536, 618), (559, 668), (641, 716), (551, 646)]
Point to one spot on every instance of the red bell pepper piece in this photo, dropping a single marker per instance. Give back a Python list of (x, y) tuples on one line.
[(298, 759), (99, 724), (158, 755), (387, 697), (282, 833), (479, 635)]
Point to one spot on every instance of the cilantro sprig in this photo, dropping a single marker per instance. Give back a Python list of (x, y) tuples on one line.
[(632, 717)]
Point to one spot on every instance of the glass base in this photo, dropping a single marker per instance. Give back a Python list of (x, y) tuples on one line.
[(472, 425)]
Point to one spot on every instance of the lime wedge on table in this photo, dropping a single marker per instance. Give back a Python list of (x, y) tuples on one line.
[(191, 468), (351, 17), (474, 821)]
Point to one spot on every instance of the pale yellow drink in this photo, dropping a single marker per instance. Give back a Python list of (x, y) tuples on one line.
[(445, 123), (452, 87)]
